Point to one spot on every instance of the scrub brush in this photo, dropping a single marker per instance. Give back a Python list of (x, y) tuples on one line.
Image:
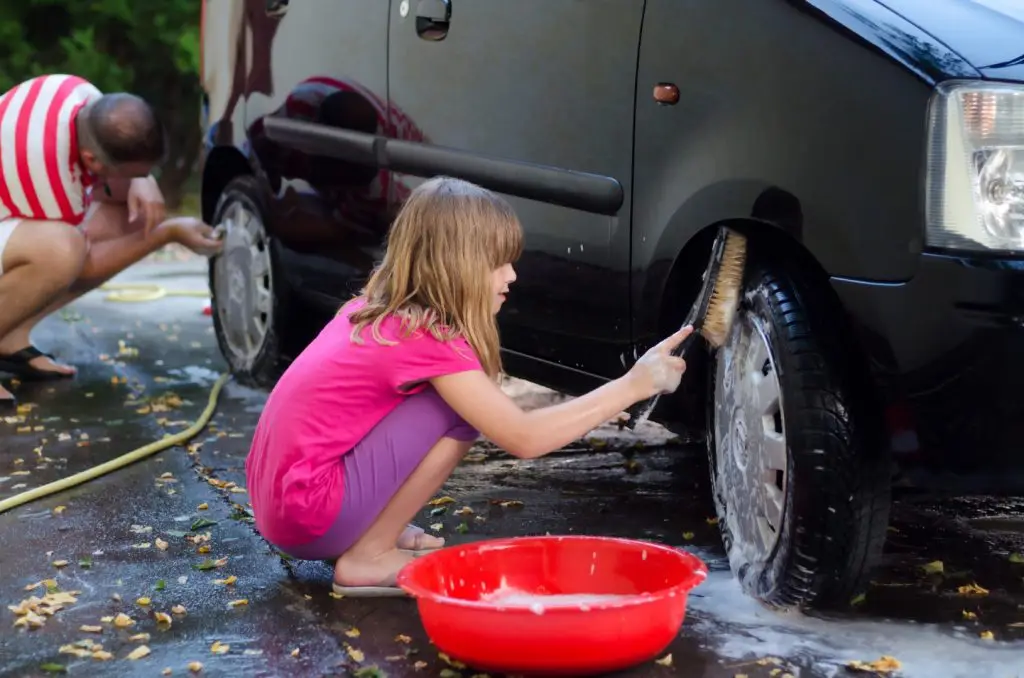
[(712, 313)]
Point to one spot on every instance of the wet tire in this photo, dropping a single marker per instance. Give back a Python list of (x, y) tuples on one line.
[(251, 299), (805, 535)]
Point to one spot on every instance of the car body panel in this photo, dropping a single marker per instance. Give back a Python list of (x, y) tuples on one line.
[(550, 102), (989, 34), (550, 84), (329, 216)]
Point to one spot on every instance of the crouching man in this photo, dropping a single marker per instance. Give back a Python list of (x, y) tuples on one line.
[(77, 206)]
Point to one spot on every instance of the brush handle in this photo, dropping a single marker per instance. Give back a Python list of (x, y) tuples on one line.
[(641, 410)]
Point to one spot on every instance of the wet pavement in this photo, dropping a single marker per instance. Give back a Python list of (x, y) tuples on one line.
[(174, 531)]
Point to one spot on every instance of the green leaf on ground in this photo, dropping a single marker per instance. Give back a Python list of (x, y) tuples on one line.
[(54, 668), (200, 523)]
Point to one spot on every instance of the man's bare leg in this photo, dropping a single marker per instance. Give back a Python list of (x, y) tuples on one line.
[(40, 262), (114, 245)]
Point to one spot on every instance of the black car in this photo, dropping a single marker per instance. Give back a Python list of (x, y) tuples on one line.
[(871, 151)]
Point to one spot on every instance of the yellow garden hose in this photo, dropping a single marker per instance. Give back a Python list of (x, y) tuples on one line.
[(128, 293), (138, 292), (125, 459)]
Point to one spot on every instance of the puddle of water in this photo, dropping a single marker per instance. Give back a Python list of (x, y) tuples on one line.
[(195, 374), (737, 627)]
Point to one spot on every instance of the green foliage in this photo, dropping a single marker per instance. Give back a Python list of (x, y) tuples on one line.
[(149, 48), (115, 44)]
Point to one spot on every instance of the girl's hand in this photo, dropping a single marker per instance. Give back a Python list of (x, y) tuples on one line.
[(658, 371)]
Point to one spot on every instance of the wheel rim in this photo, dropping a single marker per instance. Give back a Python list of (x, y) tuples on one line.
[(243, 284), (750, 439)]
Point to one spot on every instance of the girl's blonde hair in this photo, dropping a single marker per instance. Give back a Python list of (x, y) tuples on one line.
[(448, 238)]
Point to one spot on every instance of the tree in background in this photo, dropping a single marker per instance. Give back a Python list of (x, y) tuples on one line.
[(150, 48)]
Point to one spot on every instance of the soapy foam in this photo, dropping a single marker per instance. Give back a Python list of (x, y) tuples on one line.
[(738, 628), (505, 597)]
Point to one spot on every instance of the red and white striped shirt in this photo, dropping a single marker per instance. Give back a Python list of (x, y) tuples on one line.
[(41, 177)]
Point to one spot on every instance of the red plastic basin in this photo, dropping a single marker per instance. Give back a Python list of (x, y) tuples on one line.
[(534, 605)]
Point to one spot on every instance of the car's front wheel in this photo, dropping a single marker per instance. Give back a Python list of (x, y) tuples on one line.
[(250, 295), (800, 474)]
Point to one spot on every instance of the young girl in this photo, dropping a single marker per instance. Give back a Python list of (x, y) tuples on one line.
[(370, 420)]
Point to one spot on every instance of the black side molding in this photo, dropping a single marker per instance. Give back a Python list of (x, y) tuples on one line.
[(577, 190)]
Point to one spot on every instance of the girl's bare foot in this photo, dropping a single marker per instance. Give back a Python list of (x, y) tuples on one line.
[(416, 539), (354, 569)]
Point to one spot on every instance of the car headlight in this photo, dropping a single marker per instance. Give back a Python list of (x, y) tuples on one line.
[(975, 167)]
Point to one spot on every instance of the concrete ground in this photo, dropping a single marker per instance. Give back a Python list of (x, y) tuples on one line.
[(166, 547)]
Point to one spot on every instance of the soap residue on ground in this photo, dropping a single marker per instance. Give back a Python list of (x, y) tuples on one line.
[(734, 625)]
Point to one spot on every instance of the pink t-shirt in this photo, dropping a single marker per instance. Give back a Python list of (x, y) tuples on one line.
[(325, 402)]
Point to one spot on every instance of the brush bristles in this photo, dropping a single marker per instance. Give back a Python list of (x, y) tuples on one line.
[(726, 293)]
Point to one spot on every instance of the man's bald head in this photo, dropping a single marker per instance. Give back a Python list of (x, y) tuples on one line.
[(123, 130)]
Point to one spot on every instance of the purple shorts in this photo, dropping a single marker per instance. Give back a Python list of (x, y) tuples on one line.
[(381, 463)]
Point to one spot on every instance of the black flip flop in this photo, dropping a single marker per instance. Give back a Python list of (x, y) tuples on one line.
[(18, 364)]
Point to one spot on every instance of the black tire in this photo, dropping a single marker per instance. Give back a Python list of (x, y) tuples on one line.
[(835, 507), (263, 365)]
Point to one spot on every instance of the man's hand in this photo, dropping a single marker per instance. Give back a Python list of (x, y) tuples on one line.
[(193, 234), (146, 200)]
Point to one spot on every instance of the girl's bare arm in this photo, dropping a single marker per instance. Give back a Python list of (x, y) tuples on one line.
[(528, 435)]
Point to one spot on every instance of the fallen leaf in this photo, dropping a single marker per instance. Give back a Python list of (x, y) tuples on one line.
[(122, 620), (102, 655), (162, 618), (167, 671), (85, 628), (884, 664), (139, 638), (195, 667), (665, 661), (161, 544), (687, 536), (402, 638), (986, 635), (353, 632), (295, 652), (969, 615), (143, 545), (57, 510), (336, 596), (139, 652), (420, 665), (357, 655), (226, 582), (440, 501), (53, 668), (60, 563), (449, 661), (219, 647), (972, 590), (1017, 558), (858, 599), (934, 567), (203, 506), (239, 602), (436, 527), (143, 601), (200, 523), (178, 609)]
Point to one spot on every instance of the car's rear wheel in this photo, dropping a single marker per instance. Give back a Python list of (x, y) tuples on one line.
[(250, 296), (800, 474)]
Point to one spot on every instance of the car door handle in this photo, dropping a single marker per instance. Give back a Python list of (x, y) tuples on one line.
[(433, 17)]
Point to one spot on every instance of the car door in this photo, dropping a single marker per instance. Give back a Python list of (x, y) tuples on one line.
[(534, 99), (319, 66)]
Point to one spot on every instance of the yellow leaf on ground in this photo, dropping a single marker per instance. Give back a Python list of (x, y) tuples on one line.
[(139, 652), (664, 661)]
